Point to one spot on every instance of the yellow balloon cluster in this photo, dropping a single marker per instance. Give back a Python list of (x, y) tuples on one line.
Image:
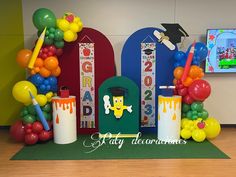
[(70, 24), (200, 129), (21, 91)]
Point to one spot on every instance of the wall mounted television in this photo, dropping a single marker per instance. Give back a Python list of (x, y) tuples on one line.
[(221, 44)]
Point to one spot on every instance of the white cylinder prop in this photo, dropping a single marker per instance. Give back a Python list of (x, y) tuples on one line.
[(64, 120), (169, 118)]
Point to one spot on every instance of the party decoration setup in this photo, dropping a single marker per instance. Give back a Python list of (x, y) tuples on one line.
[(72, 87)]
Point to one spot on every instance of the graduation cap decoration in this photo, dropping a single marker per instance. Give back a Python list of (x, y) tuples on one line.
[(148, 51), (118, 91), (172, 35)]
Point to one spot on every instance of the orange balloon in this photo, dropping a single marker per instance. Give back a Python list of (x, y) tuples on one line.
[(195, 72), (56, 72), (174, 81), (188, 81), (178, 72), (32, 72), (51, 63), (36, 69), (44, 72), (23, 57), (38, 62)]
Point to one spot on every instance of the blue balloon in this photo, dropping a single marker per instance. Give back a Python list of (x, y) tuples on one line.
[(48, 87), (180, 55), (200, 50), (177, 64), (46, 82), (42, 88), (52, 80), (54, 88)]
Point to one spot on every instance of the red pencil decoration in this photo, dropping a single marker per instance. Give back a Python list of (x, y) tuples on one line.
[(188, 62)]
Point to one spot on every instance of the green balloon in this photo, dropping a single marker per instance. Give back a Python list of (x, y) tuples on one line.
[(47, 108), (185, 107), (48, 41), (194, 117), (189, 114), (194, 113), (51, 36), (204, 114), (58, 35), (51, 30), (45, 115), (199, 114), (43, 17), (59, 44), (183, 115), (24, 112), (31, 109), (49, 117), (197, 106), (28, 119)]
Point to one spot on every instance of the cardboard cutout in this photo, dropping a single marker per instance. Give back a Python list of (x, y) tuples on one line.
[(119, 107)]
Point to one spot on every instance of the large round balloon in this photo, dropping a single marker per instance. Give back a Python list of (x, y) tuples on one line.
[(212, 128), (199, 90), (21, 90), (44, 18), (23, 57), (17, 131)]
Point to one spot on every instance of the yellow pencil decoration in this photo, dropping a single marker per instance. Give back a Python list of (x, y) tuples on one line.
[(37, 49)]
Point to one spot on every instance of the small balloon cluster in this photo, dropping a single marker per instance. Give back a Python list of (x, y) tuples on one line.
[(43, 65), (194, 90)]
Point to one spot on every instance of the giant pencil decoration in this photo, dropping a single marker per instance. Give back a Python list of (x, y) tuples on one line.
[(188, 62), (37, 49), (39, 112)]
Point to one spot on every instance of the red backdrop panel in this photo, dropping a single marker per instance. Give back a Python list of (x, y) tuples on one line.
[(104, 68)]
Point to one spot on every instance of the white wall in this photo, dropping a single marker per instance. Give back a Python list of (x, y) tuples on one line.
[(118, 19)]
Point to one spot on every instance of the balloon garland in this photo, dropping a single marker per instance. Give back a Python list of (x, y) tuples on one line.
[(196, 122), (42, 82)]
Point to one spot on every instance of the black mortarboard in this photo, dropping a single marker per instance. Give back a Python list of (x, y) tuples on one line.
[(174, 31), (148, 51), (117, 91)]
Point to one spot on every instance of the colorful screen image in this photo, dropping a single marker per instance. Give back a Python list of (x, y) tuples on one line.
[(221, 44)]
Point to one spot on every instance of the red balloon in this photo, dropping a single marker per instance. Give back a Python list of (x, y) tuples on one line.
[(183, 91), (188, 99), (31, 138), (59, 52), (17, 131), (37, 127), (199, 90), (44, 135)]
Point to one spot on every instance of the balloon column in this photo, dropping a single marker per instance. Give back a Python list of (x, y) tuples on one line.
[(42, 82), (194, 90)]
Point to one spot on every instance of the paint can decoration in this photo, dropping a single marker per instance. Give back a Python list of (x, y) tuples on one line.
[(169, 117), (64, 120)]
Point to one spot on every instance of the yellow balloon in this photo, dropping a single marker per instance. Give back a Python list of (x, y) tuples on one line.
[(63, 24), (75, 36), (212, 128), (183, 122), (198, 135), (49, 96), (74, 27), (21, 90), (185, 133), (76, 19), (69, 36), (41, 99)]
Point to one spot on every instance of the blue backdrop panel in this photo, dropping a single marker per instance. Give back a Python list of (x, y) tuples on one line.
[(131, 63)]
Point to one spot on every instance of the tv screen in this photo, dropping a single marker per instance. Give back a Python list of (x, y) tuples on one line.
[(221, 44)]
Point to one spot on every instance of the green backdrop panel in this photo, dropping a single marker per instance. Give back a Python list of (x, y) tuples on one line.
[(12, 40), (129, 122)]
